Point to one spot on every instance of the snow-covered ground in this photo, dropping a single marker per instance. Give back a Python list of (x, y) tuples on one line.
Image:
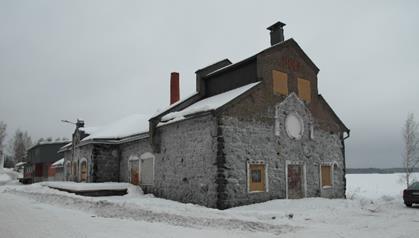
[(375, 209)]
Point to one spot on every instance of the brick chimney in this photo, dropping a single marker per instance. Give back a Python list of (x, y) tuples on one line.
[(277, 33), (174, 87)]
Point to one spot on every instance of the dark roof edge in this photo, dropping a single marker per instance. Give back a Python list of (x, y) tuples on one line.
[(220, 62), (239, 97), (334, 113), (231, 67), (49, 143), (115, 141), (188, 101)]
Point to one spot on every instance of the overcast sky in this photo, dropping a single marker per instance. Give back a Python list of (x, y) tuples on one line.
[(103, 60)]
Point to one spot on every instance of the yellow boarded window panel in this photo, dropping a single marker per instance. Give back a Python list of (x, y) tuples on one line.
[(280, 82), (304, 89), (256, 177), (326, 176)]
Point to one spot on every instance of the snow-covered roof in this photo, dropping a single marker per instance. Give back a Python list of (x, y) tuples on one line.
[(159, 111), (65, 147), (20, 164), (47, 142), (58, 163), (89, 130), (206, 104), (128, 126)]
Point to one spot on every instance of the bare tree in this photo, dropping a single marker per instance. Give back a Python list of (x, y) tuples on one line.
[(19, 144), (411, 146), (2, 135)]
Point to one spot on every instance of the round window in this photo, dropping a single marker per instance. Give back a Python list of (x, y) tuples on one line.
[(294, 126)]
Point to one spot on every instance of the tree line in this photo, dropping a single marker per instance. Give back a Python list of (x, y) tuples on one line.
[(15, 150)]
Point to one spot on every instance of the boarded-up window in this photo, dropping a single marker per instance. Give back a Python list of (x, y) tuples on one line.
[(83, 171), (280, 82), (147, 171), (304, 89), (256, 178), (326, 175)]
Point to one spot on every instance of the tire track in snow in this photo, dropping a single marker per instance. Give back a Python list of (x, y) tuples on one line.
[(108, 209)]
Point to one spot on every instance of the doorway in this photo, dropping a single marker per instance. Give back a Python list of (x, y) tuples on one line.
[(134, 166), (295, 181)]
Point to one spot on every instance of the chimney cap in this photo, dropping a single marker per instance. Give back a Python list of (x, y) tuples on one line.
[(277, 25)]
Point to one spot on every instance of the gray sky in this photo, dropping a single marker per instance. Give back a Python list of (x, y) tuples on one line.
[(103, 60)]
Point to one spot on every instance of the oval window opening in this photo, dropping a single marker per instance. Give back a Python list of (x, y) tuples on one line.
[(294, 126)]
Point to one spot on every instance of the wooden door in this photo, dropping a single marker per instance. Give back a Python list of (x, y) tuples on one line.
[(83, 171), (295, 181), (134, 172)]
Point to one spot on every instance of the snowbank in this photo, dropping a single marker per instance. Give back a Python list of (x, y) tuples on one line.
[(4, 177), (86, 186), (8, 176), (365, 214)]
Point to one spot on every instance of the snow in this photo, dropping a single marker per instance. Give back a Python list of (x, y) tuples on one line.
[(20, 164), (8, 176), (159, 111), (89, 130), (4, 177), (374, 209), (207, 104), (376, 186), (66, 146), (128, 126), (58, 163), (86, 186)]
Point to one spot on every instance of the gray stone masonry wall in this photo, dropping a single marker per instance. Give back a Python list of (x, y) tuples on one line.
[(185, 169), (105, 163), (136, 148), (79, 153), (252, 139), (67, 158)]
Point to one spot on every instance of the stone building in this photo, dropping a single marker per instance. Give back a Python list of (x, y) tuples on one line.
[(254, 130), (104, 154)]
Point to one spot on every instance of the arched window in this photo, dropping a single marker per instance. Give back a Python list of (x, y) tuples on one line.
[(83, 170), (67, 170), (147, 169), (74, 171)]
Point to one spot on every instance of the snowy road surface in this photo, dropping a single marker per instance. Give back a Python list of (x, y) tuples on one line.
[(23, 218), (374, 210)]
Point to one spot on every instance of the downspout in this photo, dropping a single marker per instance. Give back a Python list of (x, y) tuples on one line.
[(344, 161)]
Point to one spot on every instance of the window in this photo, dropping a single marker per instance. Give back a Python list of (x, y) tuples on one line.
[(83, 170), (147, 169), (294, 126), (326, 176), (312, 132), (280, 82), (304, 89), (257, 177)]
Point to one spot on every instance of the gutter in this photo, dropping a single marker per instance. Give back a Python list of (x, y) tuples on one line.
[(116, 141)]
